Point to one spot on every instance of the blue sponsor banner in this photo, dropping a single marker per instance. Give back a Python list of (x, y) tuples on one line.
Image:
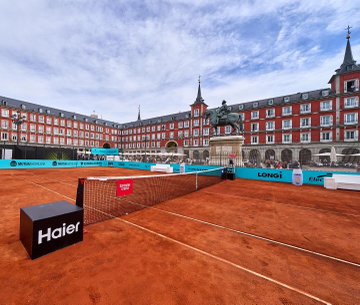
[(317, 178), (133, 165), (147, 166), (92, 163), (105, 151), (273, 175), (193, 168), (284, 175), (38, 164), (25, 164)]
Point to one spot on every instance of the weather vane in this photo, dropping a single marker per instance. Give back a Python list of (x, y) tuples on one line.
[(348, 31), (199, 78)]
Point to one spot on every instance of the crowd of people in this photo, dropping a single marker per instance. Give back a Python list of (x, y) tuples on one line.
[(90, 157), (273, 164)]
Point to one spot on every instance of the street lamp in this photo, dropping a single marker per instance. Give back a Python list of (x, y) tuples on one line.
[(18, 120)]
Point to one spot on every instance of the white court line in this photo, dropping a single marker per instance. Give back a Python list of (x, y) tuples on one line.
[(273, 241), (204, 252), (216, 258), (46, 188), (290, 204)]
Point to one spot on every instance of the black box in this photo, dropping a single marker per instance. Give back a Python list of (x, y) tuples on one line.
[(49, 227), (231, 176)]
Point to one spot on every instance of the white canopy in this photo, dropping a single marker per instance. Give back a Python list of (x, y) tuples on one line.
[(164, 154), (328, 154)]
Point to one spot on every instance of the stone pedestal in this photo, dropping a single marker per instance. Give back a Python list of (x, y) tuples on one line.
[(224, 147)]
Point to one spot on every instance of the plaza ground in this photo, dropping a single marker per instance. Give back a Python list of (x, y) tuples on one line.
[(237, 242)]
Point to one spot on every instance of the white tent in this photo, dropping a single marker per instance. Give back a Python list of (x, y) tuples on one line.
[(327, 154)]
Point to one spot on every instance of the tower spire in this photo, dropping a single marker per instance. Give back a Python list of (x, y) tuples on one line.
[(348, 64), (348, 57), (139, 117), (199, 99)]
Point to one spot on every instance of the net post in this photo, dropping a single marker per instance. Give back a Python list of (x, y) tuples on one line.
[(80, 192)]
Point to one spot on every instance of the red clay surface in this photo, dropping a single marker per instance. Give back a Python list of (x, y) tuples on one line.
[(191, 250)]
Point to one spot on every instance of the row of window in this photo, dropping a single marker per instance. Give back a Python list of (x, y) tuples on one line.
[(326, 136), (59, 122), (349, 102), (162, 136), (325, 121), (286, 99), (186, 143), (48, 140), (154, 128)]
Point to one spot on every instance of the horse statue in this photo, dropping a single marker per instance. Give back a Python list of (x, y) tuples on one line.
[(233, 119)]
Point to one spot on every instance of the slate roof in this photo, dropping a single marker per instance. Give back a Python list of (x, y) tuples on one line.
[(284, 100), (257, 104), (46, 110)]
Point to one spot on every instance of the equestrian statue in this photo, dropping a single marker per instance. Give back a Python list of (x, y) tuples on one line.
[(223, 117)]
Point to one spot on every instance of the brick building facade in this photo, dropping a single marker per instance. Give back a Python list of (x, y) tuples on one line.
[(290, 127)]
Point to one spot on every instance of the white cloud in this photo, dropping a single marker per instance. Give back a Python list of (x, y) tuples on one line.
[(111, 56)]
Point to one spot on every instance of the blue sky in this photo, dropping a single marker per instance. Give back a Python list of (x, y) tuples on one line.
[(112, 55)]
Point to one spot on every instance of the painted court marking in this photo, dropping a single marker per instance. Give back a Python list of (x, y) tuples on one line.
[(273, 241), (215, 257), (289, 204), (46, 188), (200, 251), (229, 229)]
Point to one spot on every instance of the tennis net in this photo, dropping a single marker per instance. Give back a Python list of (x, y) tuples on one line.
[(104, 198)]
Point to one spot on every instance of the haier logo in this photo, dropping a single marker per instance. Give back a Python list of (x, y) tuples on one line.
[(124, 188), (270, 175), (58, 232), (54, 163), (13, 163)]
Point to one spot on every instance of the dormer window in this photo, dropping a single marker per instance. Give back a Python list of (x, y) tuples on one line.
[(305, 96), (48, 111), (23, 106), (255, 104), (241, 107), (40, 110), (61, 114), (286, 99), (85, 119), (74, 117), (325, 93), (271, 102), (351, 85)]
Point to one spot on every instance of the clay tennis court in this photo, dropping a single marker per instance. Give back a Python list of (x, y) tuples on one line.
[(237, 242)]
